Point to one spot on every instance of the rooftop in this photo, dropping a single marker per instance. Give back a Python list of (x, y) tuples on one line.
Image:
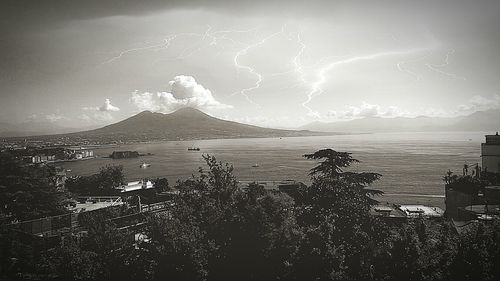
[(421, 211), (387, 211), (484, 209), (136, 185), (493, 139), (85, 204)]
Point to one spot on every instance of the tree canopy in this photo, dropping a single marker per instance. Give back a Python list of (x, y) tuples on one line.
[(218, 229), (28, 191), (102, 183)]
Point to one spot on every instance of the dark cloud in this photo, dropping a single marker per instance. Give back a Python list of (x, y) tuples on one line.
[(16, 14)]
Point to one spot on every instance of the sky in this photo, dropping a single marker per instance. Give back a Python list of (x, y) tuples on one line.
[(270, 63)]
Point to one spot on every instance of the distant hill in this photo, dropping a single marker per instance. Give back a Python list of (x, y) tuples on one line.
[(183, 124), (32, 128), (478, 121)]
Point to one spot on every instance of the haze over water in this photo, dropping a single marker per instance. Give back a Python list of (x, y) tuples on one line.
[(410, 163)]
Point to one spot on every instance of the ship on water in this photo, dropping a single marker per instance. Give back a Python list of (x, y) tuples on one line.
[(192, 148), (144, 165)]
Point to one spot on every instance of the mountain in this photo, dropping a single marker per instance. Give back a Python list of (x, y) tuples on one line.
[(478, 121), (183, 124), (488, 120)]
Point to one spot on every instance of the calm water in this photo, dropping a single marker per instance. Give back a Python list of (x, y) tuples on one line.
[(411, 163)]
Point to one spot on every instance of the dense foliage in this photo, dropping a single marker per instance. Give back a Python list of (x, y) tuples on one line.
[(28, 191), (102, 183), (218, 230), (333, 213), (161, 184)]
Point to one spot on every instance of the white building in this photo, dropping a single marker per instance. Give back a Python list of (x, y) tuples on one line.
[(490, 153), (413, 211), (136, 185)]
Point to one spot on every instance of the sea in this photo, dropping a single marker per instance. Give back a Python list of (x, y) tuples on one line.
[(412, 165)]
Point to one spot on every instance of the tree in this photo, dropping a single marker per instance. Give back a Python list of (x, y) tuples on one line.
[(28, 192), (161, 184), (420, 249), (68, 261), (340, 234), (218, 231), (102, 183), (110, 177), (331, 168), (478, 254)]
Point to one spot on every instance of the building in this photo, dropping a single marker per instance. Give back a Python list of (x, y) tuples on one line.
[(136, 185), (417, 211), (400, 213), (42, 158), (92, 203), (124, 154), (490, 154), (467, 197), (87, 153), (81, 154), (479, 212)]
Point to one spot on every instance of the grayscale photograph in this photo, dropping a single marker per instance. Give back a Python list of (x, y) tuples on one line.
[(224, 140)]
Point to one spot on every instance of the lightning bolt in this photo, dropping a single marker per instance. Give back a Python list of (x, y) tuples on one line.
[(244, 92), (317, 73), (214, 37), (316, 87), (401, 66), (166, 42), (298, 66), (125, 52), (437, 67), (199, 46), (297, 60)]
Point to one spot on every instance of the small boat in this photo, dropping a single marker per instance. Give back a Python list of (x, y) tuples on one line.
[(193, 149), (255, 165), (144, 165), (68, 170)]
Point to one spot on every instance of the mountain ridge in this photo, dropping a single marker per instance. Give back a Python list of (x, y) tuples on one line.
[(185, 123), (32, 128), (477, 121)]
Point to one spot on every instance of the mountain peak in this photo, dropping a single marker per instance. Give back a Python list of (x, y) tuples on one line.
[(145, 112), (189, 111), (184, 124)]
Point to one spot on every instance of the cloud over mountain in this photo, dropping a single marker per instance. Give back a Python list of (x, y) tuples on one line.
[(480, 103), (366, 110), (100, 114), (184, 92), (107, 106)]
